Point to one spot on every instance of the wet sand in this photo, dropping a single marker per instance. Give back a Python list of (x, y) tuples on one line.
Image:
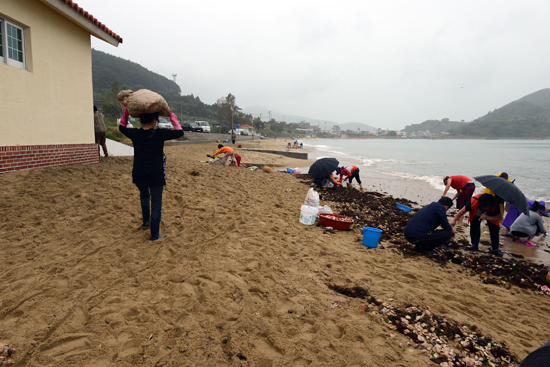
[(238, 281)]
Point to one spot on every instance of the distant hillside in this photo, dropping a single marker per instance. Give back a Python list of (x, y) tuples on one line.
[(355, 126), (107, 69), (434, 126), (527, 117), (263, 113)]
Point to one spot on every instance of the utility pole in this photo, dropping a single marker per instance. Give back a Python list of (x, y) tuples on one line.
[(325, 126)]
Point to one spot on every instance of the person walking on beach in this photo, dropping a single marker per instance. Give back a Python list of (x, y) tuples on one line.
[(227, 151), (483, 207), (349, 173), (149, 170), (421, 230), (530, 225), (464, 187), (233, 137), (100, 132)]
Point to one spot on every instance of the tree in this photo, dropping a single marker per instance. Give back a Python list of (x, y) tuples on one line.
[(111, 106), (225, 107), (392, 133)]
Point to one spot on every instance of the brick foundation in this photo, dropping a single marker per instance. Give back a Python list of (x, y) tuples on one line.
[(14, 158)]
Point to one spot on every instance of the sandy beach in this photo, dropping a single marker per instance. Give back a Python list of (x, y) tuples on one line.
[(237, 281)]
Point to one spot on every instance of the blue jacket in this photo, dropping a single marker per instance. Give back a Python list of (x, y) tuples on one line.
[(426, 220)]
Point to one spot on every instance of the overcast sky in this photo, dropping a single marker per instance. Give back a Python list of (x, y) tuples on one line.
[(385, 63)]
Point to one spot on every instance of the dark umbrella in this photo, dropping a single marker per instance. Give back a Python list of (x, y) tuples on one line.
[(506, 190), (323, 167)]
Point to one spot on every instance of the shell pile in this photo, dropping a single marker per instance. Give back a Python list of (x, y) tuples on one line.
[(6, 354), (379, 211), (446, 342)]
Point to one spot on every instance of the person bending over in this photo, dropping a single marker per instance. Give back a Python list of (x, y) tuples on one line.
[(349, 173), (149, 171), (530, 225), (227, 151), (421, 230), (464, 187), (483, 207)]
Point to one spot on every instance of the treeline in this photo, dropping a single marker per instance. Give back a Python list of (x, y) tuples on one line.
[(108, 68), (515, 127), (528, 117), (112, 74), (434, 126)]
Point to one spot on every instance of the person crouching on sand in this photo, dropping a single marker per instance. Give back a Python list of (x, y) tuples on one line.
[(349, 173), (149, 171), (227, 151), (421, 230), (530, 225), (483, 207)]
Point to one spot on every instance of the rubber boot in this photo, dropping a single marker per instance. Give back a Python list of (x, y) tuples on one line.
[(146, 222), (473, 248), (155, 226)]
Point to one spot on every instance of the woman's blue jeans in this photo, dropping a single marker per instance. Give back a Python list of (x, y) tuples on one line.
[(151, 197)]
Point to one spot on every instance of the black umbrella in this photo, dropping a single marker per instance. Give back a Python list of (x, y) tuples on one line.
[(323, 167), (506, 190)]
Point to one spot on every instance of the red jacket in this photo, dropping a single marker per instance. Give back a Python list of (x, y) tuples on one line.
[(345, 173)]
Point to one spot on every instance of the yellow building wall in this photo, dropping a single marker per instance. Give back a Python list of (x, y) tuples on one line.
[(52, 101)]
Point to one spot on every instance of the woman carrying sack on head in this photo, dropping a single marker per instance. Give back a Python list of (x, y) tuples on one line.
[(149, 171)]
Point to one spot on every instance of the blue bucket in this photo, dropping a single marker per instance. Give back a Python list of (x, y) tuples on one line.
[(404, 208), (290, 170), (371, 236)]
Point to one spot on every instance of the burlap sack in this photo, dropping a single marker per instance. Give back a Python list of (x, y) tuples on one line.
[(143, 101)]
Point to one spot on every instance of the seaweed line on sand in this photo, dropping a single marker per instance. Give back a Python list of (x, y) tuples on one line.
[(377, 210)]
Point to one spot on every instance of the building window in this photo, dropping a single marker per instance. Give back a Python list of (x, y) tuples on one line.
[(12, 44)]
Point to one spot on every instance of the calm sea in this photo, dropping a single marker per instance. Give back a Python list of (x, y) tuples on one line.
[(526, 161)]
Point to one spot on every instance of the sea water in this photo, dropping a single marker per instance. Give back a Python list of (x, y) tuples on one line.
[(525, 161)]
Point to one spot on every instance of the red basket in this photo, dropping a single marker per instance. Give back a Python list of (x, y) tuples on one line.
[(335, 221)]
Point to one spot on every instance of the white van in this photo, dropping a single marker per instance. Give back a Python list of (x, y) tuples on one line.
[(205, 126)]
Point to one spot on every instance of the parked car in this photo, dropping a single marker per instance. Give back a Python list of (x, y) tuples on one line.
[(164, 123), (205, 126), (245, 133), (191, 126)]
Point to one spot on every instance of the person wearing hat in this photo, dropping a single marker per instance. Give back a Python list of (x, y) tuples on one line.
[(530, 225), (464, 187), (503, 175), (421, 230), (349, 173), (483, 207)]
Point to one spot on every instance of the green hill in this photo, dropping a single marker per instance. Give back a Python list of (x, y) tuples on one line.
[(107, 69), (528, 117), (111, 74), (434, 126)]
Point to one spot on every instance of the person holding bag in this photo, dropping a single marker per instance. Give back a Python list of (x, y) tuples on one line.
[(149, 169)]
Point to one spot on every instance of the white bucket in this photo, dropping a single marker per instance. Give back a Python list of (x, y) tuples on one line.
[(308, 215)]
